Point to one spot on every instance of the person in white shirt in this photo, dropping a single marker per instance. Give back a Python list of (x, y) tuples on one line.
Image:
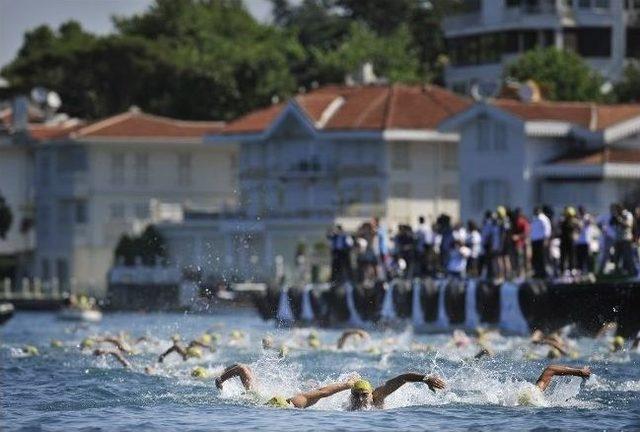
[(474, 243), (540, 236), (587, 244), (457, 265), (425, 240)]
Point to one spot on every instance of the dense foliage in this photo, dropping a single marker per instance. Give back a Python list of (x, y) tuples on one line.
[(149, 248), (6, 218)]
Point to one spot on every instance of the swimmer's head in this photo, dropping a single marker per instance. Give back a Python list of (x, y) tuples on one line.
[(283, 351), (30, 350), (175, 338), (87, 343), (194, 352), (56, 343), (314, 341), (618, 343), (554, 353), (237, 335), (278, 402), (361, 395), (267, 342), (199, 372), (205, 338)]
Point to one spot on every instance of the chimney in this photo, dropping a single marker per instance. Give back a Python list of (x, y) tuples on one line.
[(20, 111), (363, 76)]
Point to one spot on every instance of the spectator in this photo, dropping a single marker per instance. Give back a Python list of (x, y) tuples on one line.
[(569, 229), (341, 245), (520, 237), (405, 248), (500, 246), (540, 237), (587, 245), (607, 239), (474, 243), (458, 256), (424, 248), (622, 220), (486, 265), (381, 246), (446, 239)]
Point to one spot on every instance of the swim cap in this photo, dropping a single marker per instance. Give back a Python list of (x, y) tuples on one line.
[(194, 352), (205, 339), (175, 337), (87, 343), (554, 353), (362, 386), (237, 334), (55, 343), (314, 342), (30, 350), (199, 372), (278, 402), (618, 342), (283, 351)]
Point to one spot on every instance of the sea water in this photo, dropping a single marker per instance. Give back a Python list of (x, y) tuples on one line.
[(68, 389)]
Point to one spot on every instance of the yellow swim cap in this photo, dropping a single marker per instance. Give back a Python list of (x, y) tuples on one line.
[(87, 343), (554, 353), (618, 342), (362, 386), (194, 352), (175, 337), (30, 350), (314, 342), (278, 402), (283, 351), (237, 334), (55, 343), (199, 372), (205, 339)]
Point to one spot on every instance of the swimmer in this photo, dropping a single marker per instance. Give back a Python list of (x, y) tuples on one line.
[(557, 345), (550, 371), (300, 400), (348, 334), (617, 344), (115, 354), (363, 395), (193, 350)]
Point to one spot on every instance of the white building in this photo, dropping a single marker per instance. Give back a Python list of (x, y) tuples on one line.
[(557, 153), (95, 182), (339, 154), (492, 33)]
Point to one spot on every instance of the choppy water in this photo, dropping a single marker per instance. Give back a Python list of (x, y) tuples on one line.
[(64, 388)]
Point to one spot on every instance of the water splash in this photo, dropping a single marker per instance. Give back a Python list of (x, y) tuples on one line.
[(285, 314), (417, 315), (511, 318), (388, 310), (472, 320), (307, 310), (443, 318), (354, 316)]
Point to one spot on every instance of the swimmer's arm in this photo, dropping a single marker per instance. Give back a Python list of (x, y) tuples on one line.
[(555, 344), (237, 370), (553, 370), (176, 348), (117, 343), (196, 343), (349, 333), (380, 393), (304, 400), (119, 357)]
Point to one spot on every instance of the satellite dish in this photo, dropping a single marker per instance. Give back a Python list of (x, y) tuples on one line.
[(484, 89), (39, 95), (529, 92), (53, 100), (606, 88)]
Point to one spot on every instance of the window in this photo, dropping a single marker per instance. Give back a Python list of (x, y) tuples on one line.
[(449, 191), (483, 134), (70, 159), (116, 211), (589, 41), (142, 169), (63, 213), (602, 4), (62, 271), (499, 136), (43, 221), (81, 213), (184, 169), (45, 272), (633, 42), (142, 211), (488, 194), (400, 156), (117, 168), (584, 4), (449, 156), (401, 190)]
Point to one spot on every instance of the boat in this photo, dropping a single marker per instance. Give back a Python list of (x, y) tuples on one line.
[(6, 312), (77, 314)]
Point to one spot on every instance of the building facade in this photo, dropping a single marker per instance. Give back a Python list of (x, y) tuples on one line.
[(115, 176), (556, 153), (492, 33), (336, 155)]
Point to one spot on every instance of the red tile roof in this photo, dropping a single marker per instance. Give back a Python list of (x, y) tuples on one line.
[(587, 115), (44, 131), (136, 124), (601, 156), (373, 107)]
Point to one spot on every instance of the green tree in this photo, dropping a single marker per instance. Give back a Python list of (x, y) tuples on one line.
[(563, 75), (392, 56), (628, 88), (6, 218)]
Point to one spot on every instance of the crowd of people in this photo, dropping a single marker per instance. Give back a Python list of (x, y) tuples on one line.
[(505, 245)]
